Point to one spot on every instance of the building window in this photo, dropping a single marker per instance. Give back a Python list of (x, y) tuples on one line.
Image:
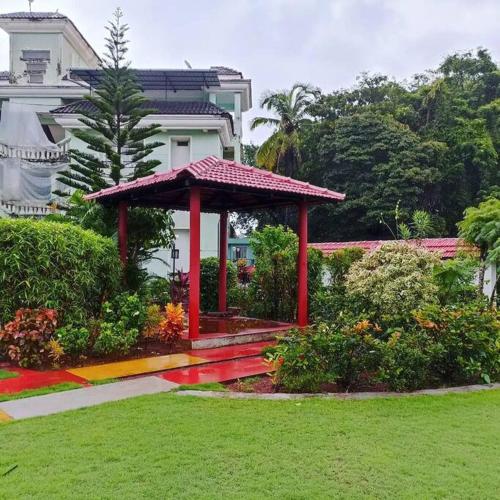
[(36, 55), (36, 64)]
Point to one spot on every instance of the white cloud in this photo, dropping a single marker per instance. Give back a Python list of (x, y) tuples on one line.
[(279, 42)]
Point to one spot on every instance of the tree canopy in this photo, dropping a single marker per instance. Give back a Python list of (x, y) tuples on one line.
[(431, 143)]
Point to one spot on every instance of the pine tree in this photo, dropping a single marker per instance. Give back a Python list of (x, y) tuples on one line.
[(112, 126), (113, 131)]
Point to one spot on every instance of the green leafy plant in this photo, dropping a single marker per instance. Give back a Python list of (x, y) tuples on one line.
[(455, 279), (481, 227), (25, 339), (123, 319), (209, 285), (330, 300), (465, 340), (273, 288), (114, 338), (73, 339), (60, 266)]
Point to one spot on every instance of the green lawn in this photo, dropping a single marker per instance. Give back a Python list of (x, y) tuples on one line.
[(29, 393), (5, 374), (171, 446)]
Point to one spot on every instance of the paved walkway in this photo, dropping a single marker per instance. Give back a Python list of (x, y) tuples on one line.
[(156, 374), (82, 398)]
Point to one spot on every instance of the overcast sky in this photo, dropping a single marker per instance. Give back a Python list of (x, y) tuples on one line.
[(278, 42)]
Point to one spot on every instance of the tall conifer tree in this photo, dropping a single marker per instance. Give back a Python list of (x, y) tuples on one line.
[(113, 127)]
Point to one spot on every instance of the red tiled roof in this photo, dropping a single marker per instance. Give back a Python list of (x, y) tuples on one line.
[(447, 247), (213, 171)]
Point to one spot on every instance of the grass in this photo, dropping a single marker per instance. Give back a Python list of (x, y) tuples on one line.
[(207, 386), (65, 386), (5, 374), (171, 446), (104, 381)]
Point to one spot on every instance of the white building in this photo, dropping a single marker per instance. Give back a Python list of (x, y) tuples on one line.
[(52, 66)]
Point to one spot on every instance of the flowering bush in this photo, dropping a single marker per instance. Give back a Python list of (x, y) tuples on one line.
[(171, 327), (25, 340), (393, 280), (435, 346)]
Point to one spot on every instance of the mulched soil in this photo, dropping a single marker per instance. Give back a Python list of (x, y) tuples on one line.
[(264, 385)]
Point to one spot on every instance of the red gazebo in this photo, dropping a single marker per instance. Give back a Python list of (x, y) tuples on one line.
[(220, 186)]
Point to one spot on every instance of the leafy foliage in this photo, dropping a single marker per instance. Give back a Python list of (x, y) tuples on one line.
[(393, 280), (436, 345), (26, 339), (171, 327), (433, 143), (74, 340), (328, 300), (60, 266), (273, 288), (281, 151), (123, 319), (455, 280), (209, 285)]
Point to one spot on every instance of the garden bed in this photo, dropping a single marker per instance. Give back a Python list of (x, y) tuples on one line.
[(142, 350)]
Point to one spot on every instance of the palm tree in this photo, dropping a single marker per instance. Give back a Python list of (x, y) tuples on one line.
[(280, 152)]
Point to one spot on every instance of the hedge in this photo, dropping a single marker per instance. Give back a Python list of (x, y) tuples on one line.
[(56, 265), (209, 287)]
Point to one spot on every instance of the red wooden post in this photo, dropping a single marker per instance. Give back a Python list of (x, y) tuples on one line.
[(222, 262), (194, 262), (122, 230), (302, 313)]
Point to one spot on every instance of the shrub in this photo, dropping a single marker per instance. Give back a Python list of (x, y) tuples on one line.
[(305, 360), (154, 317), (273, 289), (122, 321), (59, 266), (114, 338), (157, 290), (393, 280), (127, 308), (171, 327), (455, 280), (405, 362), (25, 340), (209, 284), (465, 341), (73, 339), (328, 301)]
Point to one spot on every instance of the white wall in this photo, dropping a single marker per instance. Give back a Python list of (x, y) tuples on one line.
[(203, 144), (36, 41)]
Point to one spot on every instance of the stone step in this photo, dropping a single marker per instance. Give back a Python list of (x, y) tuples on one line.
[(210, 341)]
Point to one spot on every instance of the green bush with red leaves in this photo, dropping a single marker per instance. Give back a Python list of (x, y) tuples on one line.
[(26, 340)]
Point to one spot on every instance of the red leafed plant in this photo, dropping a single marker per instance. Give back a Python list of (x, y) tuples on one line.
[(25, 339), (171, 327)]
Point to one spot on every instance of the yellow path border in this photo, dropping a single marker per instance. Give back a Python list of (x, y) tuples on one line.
[(137, 366), (4, 417)]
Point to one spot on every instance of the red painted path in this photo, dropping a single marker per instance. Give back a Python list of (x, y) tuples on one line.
[(218, 372), (32, 379), (218, 365)]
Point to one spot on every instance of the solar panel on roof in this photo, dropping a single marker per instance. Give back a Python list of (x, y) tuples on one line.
[(158, 79)]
